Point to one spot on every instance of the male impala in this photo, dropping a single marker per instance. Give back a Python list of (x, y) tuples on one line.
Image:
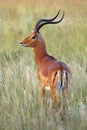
[(51, 73)]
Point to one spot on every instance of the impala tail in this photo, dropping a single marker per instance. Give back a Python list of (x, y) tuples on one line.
[(60, 79)]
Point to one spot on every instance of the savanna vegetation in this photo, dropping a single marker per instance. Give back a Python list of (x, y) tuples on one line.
[(20, 102)]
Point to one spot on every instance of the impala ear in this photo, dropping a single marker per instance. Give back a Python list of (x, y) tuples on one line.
[(32, 30)]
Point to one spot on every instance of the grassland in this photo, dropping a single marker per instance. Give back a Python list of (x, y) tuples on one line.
[(20, 103)]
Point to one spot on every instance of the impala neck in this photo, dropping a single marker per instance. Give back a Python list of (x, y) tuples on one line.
[(40, 51)]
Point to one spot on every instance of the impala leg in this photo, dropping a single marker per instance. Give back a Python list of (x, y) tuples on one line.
[(42, 91), (65, 93), (55, 97)]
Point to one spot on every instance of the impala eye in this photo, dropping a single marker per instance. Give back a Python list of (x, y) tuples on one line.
[(33, 37)]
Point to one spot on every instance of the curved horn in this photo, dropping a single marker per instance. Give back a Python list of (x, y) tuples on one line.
[(51, 22), (42, 22)]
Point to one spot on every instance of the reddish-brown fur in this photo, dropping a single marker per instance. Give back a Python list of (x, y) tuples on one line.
[(50, 71)]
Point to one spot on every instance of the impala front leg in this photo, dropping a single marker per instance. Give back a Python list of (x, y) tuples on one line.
[(42, 91)]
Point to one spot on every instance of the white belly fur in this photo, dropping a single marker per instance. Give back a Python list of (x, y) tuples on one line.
[(47, 87)]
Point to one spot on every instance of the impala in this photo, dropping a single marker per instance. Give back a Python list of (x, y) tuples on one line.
[(52, 74)]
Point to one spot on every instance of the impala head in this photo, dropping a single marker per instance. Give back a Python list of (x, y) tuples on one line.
[(34, 37)]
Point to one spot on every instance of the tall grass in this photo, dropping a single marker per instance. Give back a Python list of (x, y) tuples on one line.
[(20, 103)]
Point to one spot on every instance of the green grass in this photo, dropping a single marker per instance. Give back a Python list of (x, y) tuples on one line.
[(20, 102)]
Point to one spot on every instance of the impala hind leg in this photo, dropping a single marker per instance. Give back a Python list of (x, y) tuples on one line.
[(54, 97), (65, 93)]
